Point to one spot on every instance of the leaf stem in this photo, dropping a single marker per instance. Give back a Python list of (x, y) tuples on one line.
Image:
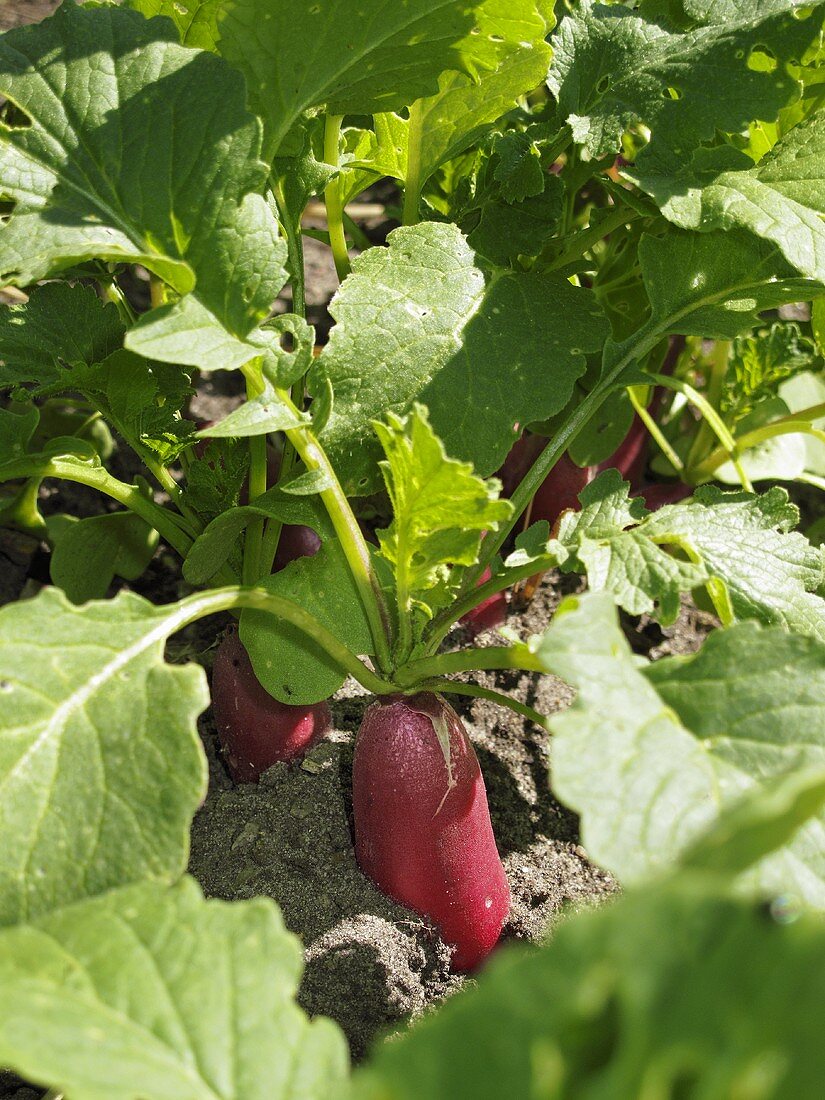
[(654, 430), (458, 687), (717, 424), (99, 478), (349, 533), (253, 539), (232, 598), (718, 370), (468, 660), (584, 240), (332, 198), (413, 181)]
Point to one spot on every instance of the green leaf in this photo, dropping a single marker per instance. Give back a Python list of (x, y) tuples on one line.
[(650, 758), (716, 284), (803, 391), (462, 109), (763, 821), (422, 321), (760, 362), (744, 542), (89, 553), (780, 199), (440, 508), (672, 988), (142, 400), (61, 328), (17, 426), (101, 768), (189, 212), (214, 482), (308, 483), (288, 663), (154, 992), (686, 75), (382, 58), (213, 547), (258, 416)]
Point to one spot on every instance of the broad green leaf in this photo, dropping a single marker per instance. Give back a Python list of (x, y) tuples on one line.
[(744, 542), (60, 328), (290, 665), (650, 757), (716, 284), (462, 109), (213, 547), (440, 508), (89, 553), (422, 321), (17, 426), (781, 199), (297, 56), (101, 768), (763, 821), (83, 189), (686, 75), (676, 990), (153, 992)]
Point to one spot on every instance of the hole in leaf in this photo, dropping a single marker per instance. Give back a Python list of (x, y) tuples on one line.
[(603, 85), (496, 38), (761, 60), (13, 117), (287, 342)]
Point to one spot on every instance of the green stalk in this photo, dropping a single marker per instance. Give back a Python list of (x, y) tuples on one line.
[(349, 533), (441, 624), (655, 431), (413, 181), (295, 244), (717, 425), (253, 538), (332, 198), (234, 598), (786, 426), (718, 370), (99, 478), (457, 687), (467, 660), (584, 240)]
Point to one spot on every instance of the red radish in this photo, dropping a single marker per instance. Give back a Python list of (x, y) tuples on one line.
[(630, 457), (422, 826), (490, 613), (256, 730), (560, 490), (296, 541)]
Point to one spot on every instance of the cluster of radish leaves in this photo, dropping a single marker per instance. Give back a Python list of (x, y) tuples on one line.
[(512, 294)]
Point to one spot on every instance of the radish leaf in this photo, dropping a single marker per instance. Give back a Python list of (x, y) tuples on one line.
[(100, 764), (153, 992), (482, 350)]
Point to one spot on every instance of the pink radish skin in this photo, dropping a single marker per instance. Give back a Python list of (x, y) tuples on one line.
[(630, 457), (256, 730), (560, 490), (422, 830), (296, 541), (490, 613)]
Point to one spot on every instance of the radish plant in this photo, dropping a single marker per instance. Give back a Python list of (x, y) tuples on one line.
[(597, 231)]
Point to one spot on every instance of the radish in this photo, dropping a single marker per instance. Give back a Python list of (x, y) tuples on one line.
[(296, 541), (422, 826), (630, 457), (256, 730), (560, 490), (490, 613)]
